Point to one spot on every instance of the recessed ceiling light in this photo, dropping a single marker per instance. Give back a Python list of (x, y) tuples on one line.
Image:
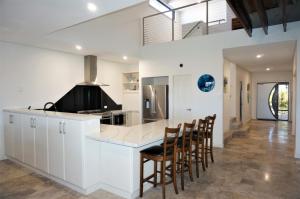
[(125, 57), (92, 7), (78, 47), (267, 69), (259, 56)]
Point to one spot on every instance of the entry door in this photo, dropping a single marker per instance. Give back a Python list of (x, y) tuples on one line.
[(182, 107), (272, 101)]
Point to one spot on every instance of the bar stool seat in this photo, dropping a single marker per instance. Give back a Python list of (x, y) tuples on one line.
[(163, 154), (156, 151)]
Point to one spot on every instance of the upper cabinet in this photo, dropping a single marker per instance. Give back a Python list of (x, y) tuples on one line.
[(131, 82)]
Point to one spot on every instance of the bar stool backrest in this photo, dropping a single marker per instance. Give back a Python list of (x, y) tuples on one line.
[(202, 128), (171, 139), (210, 125), (187, 134)]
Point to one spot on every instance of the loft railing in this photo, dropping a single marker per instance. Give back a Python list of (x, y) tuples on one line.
[(178, 23), (198, 24)]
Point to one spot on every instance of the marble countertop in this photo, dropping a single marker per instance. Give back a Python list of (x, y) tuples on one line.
[(71, 116), (133, 136)]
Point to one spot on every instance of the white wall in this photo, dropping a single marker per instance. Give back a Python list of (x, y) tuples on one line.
[(204, 55), (229, 107), (243, 76), (294, 73), (297, 108), (33, 76), (264, 77), (111, 73)]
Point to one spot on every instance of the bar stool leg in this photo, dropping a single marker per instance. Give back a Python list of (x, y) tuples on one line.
[(162, 178), (211, 150), (141, 175), (182, 160), (174, 174), (202, 156), (197, 159), (206, 152), (155, 173), (190, 163)]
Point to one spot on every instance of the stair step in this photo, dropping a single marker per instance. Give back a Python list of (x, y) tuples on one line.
[(235, 125), (227, 137), (241, 132)]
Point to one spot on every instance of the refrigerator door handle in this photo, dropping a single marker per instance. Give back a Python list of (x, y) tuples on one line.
[(153, 101)]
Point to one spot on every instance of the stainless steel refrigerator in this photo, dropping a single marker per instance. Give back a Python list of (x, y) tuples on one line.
[(155, 103)]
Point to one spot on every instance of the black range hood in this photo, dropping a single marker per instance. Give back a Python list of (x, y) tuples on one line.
[(87, 97)]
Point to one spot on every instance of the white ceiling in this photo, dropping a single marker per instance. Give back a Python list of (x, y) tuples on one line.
[(109, 37), (42, 23), (276, 56)]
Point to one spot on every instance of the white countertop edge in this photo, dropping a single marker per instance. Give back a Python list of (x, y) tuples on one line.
[(63, 115), (126, 144)]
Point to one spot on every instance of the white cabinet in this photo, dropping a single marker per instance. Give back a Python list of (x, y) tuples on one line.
[(65, 150), (73, 148), (13, 135), (54, 145), (28, 126), (56, 149), (41, 143), (35, 141)]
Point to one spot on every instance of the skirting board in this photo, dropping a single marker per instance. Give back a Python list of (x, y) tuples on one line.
[(89, 190), (123, 193), (62, 182), (2, 157)]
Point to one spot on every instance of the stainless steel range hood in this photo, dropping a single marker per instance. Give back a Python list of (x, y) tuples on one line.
[(90, 71)]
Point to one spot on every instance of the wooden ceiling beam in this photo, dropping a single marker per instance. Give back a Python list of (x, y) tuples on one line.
[(239, 10), (261, 11), (283, 4)]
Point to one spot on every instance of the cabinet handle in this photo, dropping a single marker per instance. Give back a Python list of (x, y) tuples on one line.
[(60, 131), (11, 121), (64, 128), (34, 123)]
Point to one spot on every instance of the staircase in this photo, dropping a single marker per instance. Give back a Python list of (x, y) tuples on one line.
[(237, 129)]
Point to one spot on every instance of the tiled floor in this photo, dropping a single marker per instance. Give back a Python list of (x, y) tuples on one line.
[(260, 165)]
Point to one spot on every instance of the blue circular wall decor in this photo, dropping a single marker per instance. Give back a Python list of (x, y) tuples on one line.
[(206, 83)]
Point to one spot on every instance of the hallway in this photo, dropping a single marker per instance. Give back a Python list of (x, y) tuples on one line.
[(259, 165)]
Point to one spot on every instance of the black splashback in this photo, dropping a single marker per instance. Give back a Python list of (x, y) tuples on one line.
[(83, 98)]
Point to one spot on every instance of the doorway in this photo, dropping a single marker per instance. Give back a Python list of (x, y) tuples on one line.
[(241, 101), (273, 101), (182, 85)]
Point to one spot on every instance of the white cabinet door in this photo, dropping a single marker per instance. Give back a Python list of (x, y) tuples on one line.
[(41, 143), (13, 135), (56, 149), (28, 139), (73, 144), (18, 138), (9, 134)]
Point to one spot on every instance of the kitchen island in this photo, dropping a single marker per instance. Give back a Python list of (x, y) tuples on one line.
[(78, 152), (119, 148)]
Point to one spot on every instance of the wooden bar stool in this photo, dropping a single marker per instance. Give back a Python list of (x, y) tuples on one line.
[(209, 136), (198, 143), (163, 154), (184, 151)]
